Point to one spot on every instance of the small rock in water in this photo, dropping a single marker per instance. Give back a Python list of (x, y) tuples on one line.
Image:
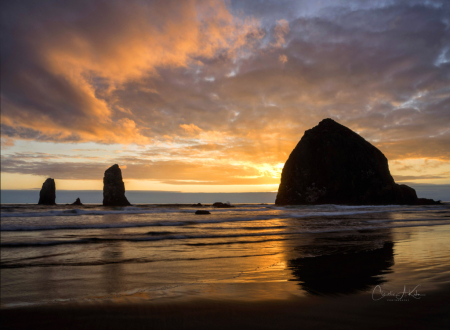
[(196, 205), (77, 202), (202, 212), (47, 195), (222, 205)]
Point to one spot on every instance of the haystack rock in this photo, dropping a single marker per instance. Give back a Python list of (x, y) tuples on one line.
[(334, 165), (47, 195), (114, 188)]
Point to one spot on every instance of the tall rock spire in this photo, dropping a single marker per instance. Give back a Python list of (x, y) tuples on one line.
[(47, 195), (114, 188)]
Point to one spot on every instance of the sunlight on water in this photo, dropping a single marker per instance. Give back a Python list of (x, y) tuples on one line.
[(250, 252)]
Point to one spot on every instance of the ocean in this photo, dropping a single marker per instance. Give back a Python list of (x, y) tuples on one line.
[(52, 255), (433, 191)]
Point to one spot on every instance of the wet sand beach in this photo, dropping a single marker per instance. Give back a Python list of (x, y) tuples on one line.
[(341, 312), (252, 266)]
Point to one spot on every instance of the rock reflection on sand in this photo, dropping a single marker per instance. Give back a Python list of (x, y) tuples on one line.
[(344, 264)]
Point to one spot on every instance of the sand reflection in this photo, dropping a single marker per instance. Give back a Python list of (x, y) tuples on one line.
[(344, 263)]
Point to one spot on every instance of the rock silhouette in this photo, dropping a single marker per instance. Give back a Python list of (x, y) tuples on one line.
[(221, 205), (47, 195), (344, 264), (77, 202), (202, 212), (334, 165), (114, 188)]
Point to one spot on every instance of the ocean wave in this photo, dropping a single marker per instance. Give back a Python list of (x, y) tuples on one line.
[(89, 226), (12, 227), (78, 212), (404, 220), (97, 240), (125, 210), (333, 213), (374, 208), (193, 221), (332, 206), (123, 261), (141, 225)]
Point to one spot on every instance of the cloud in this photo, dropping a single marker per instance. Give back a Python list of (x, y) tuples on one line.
[(283, 58), (405, 178), (432, 147), (64, 62), (191, 128), (170, 172), (226, 84), (280, 31), (7, 142)]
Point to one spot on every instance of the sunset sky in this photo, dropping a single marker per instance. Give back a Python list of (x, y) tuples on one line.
[(206, 96)]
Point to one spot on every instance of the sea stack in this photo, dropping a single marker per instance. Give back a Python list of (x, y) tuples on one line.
[(47, 195), (77, 202), (334, 165), (114, 188)]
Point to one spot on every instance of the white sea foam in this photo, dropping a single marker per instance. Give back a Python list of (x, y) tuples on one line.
[(294, 211), (221, 217)]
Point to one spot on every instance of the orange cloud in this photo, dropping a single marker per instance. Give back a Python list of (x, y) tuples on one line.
[(169, 172), (283, 58), (144, 72), (280, 31), (7, 142), (191, 128), (115, 43)]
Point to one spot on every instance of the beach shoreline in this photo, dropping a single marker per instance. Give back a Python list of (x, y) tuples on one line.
[(325, 312), (253, 267)]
